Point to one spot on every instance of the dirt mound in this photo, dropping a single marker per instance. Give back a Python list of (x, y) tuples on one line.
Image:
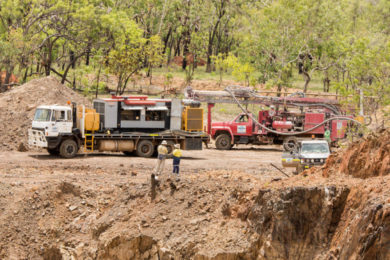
[(365, 158), (18, 107)]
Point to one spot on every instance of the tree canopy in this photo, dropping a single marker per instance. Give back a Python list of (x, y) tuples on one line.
[(344, 42)]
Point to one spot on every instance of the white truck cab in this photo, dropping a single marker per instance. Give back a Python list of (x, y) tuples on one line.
[(50, 121)]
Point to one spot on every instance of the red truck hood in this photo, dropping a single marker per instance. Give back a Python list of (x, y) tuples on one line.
[(226, 123)]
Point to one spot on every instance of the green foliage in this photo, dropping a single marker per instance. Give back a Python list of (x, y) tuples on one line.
[(343, 45), (241, 71)]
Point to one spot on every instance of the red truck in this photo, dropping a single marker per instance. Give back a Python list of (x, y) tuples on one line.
[(278, 127), (287, 120)]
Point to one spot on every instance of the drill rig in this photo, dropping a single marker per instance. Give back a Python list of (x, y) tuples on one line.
[(286, 121)]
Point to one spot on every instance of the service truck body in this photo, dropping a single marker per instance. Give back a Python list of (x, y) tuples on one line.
[(118, 124)]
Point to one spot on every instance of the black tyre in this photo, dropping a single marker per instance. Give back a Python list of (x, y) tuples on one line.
[(53, 152), (127, 153), (170, 147), (223, 142), (145, 148), (68, 148), (290, 144)]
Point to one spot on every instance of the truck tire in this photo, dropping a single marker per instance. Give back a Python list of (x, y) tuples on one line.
[(68, 148), (170, 147), (53, 152), (145, 148), (127, 153), (223, 142), (290, 143)]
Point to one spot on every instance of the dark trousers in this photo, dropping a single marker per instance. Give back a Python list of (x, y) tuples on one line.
[(176, 169)]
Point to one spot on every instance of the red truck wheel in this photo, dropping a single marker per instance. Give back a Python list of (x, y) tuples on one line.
[(223, 142)]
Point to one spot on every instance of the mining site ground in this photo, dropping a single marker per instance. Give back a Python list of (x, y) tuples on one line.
[(43, 197), (251, 159), (227, 205)]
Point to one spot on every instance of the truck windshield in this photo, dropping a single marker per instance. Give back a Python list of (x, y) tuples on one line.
[(42, 114), (315, 148)]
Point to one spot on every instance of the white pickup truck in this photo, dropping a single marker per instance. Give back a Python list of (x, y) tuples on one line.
[(308, 154)]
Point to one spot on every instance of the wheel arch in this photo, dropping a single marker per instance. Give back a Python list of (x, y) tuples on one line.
[(224, 131), (73, 137)]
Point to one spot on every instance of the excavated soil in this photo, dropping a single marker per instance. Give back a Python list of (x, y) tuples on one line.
[(365, 158), (101, 208), (18, 108)]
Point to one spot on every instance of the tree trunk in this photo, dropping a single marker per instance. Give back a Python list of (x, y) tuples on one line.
[(74, 82), (1, 85), (326, 83), (48, 59), (72, 59), (97, 81), (119, 85), (125, 84), (279, 91), (166, 39), (25, 75), (177, 49), (185, 49), (71, 64), (8, 74), (170, 52), (307, 80), (210, 46), (88, 52)]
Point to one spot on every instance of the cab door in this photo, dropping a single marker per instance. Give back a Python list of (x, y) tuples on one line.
[(243, 125), (62, 120)]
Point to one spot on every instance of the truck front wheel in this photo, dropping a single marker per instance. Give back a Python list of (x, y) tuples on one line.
[(68, 148), (145, 148), (223, 142), (53, 152)]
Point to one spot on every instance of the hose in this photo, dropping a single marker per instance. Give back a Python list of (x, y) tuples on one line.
[(287, 134)]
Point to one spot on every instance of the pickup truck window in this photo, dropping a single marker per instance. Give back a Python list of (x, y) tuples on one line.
[(242, 119), (315, 148)]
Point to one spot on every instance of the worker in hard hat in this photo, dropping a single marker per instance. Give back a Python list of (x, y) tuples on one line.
[(176, 160), (162, 155), (272, 111)]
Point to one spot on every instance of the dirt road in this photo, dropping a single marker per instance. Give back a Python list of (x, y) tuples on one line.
[(254, 160)]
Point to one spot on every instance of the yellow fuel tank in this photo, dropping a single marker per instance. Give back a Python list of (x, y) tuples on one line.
[(92, 120)]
